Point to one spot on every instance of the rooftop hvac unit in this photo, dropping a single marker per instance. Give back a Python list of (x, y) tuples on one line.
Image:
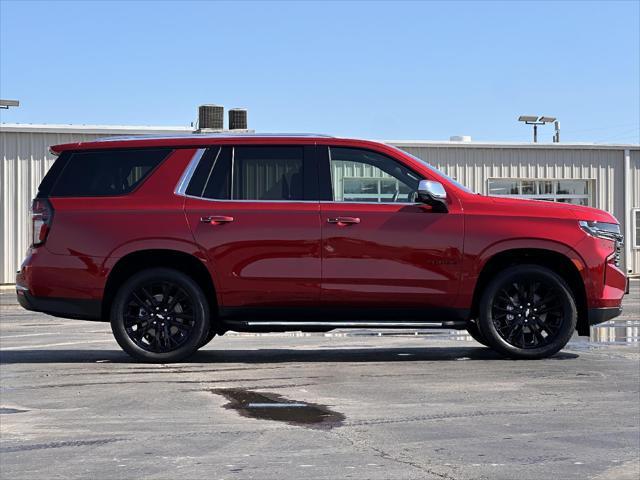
[(238, 119), (210, 117)]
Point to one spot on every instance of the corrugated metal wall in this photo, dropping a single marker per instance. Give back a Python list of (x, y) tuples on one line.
[(473, 166), (25, 159), (635, 203)]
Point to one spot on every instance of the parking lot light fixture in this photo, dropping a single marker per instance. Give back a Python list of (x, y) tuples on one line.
[(535, 121)]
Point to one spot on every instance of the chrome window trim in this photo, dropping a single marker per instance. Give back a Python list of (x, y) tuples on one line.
[(372, 203), (222, 200), (183, 183)]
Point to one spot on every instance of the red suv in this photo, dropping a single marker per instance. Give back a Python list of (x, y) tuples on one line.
[(176, 240)]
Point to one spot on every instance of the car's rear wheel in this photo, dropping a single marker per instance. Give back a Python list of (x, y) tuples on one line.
[(474, 331), (160, 315), (528, 312), (208, 337)]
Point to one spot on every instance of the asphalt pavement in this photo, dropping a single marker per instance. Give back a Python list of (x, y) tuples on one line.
[(275, 406)]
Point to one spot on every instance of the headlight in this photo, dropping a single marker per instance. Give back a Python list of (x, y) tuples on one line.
[(610, 231)]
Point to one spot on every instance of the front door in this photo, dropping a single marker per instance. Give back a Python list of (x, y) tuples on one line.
[(382, 251), (255, 212)]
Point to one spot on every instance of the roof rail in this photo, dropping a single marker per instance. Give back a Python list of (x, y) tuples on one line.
[(209, 135)]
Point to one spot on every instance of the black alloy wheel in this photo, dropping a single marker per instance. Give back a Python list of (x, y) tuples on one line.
[(160, 315), (527, 311)]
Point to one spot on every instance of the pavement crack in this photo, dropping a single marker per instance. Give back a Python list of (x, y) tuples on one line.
[(71, 443), (363, 444)]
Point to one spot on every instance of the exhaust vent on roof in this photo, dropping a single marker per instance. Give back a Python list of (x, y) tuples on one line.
[(210, 117), (237, 119)]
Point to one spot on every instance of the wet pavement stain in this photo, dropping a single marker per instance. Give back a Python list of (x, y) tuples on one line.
[(271, 406), (8, 411)]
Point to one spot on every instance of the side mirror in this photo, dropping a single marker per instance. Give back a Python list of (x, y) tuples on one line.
[(432, 193)]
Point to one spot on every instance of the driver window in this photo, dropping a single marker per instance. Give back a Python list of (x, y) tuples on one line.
[(365, 176)]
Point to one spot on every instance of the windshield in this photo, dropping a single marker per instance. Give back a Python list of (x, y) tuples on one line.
[(439, 172)]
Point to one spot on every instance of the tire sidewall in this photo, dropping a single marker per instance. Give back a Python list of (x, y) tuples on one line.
[(474, 331), (489, 331), (201, 309)]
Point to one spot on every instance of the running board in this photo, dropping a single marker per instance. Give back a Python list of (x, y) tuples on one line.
[(459, 325)]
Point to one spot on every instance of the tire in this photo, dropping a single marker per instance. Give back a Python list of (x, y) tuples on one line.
[(527, 312), (148, 331), (474, 331), (208, 337)]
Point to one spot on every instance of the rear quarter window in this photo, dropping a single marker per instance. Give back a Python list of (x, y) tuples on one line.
[(103, 173)]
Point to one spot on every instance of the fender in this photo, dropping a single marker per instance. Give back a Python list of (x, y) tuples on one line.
[(474, 264), (528, 243), (167, 244)]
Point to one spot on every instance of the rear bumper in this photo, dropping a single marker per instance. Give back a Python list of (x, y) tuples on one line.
[(600, 315), (60, 307)]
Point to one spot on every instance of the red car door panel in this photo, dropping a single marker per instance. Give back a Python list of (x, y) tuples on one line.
[(263, 253), (396, 254)]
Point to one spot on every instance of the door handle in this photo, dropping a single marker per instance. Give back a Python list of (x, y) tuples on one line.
[(216, 219), (342, 221)]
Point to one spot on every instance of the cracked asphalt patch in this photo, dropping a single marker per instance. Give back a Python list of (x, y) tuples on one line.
[(408, 408)]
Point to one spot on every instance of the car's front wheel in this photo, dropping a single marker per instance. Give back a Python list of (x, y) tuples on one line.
[(160, 315), (528, 312)]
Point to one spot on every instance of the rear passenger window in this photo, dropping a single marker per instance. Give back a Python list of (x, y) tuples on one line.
[(212, 177), (249, 173), (106, 173), (268, 173)]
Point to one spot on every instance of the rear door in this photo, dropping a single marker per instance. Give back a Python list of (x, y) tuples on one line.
[(255, 211)]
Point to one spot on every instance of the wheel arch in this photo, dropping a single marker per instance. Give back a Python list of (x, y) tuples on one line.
[(563, 264), (144, 259)]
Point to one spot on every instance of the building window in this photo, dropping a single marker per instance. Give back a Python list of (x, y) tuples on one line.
[(577, 192), (636, 228)]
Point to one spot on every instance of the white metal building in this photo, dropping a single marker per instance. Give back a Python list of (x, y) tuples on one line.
[(602, 176)]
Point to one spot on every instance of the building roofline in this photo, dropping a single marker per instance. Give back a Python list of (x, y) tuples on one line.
[(93, 129), (180, 131), (551, 146)]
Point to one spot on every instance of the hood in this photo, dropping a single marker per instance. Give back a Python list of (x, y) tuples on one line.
[(540, 208)]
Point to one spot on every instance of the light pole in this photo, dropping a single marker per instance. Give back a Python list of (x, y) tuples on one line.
[(9, 103), (535, 121)]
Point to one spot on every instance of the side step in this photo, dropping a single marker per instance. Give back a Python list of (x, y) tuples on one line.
[(453, 324)]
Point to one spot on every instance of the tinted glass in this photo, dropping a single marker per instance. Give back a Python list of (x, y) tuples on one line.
[(201, 173), (218, 184), (365, 176), (212, 177), (268, 173), (106, 173), (572, 187), (503, 187), (52, 175)]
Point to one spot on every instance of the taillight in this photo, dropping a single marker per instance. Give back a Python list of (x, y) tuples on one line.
[(41, 217)]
